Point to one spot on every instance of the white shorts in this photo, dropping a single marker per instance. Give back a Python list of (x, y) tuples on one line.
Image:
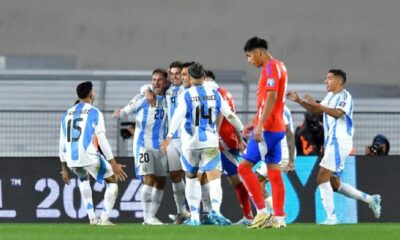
[(99, 171), (150, 162), (201, 160), (334, 158), (174, 154)]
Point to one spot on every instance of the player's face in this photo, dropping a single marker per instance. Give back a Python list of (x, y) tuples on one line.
[(253, 57), (159, 83), (332, 82), (175, 76), (185, 78)]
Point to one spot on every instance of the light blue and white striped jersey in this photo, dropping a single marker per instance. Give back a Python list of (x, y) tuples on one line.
[(171, 96), (199, 107), (341, 130), (78, 140), (151, 122), (287, 118)]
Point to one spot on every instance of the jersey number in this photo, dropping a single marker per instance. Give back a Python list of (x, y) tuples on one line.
[(144, 157), (202, 114), (159, 114), (74, 126)]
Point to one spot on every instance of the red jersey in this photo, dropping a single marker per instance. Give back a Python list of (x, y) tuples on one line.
[(273, 77), (226, 130)]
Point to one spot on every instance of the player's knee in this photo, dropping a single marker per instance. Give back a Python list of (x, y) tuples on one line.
[(176, 176)]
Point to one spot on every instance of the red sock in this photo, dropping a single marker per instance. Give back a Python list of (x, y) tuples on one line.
[(244, 200), (252, 185), (278, 191)]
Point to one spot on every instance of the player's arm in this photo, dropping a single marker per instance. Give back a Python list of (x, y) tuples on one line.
[(333, 112), (175, 122), (293, 96), (128, 109), (231, 116), (219, 121), (100, 131), (64, 168), (266, 111), (147, 91), (291, 147)]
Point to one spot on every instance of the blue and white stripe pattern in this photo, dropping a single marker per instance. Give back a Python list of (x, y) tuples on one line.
[(78, 128), (171, 96)]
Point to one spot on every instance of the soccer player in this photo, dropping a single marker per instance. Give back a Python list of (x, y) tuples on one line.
[(174, 150), (268, 131), (199, 107), (337, 111), (82, 132), (230, 152), (151, 123)]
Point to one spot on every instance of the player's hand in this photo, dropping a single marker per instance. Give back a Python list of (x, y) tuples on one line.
[(117, 113), (118, 170), (65, 176), (246, 132), (310, 100), (258, 134), (151, 98), (292, 96), (164, 144), (289, 167)]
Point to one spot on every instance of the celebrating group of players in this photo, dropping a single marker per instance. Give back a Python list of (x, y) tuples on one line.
[(187, 124)]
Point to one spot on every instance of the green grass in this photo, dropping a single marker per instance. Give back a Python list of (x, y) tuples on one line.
[(378, 231)]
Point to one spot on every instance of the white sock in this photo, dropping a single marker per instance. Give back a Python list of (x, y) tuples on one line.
[(179, 196), (156, 197), (145, 197), (327, 199), (205, 197), (193, 196), (86, 192), (351, 192), (110, 195), (216, 194), (269, 204)]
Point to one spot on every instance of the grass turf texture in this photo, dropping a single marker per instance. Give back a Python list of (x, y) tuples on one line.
[(44, 231)]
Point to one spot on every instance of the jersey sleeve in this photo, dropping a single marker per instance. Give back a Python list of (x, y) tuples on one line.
[(324, 101), (132, 105), (229, 115), (272, 73), (146, 87), (345, 102), (179, 114), (61, 144)]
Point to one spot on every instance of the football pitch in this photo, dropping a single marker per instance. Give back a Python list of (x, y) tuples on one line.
[(297, 231)]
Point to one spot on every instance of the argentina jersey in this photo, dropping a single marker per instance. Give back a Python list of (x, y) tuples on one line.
[(78, 141), (341, 130), (200, 106), (171, 96), (150, 122)]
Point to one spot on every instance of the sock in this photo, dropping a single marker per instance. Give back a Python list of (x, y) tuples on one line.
[(351, 192), (216, 194), (156, 197), (86, 192), (179, 196), (205, 197), (278, 191), (193, 196), (269, 204), (244, 200), (109, 200), (145, 197), (327, 199), (253, 186)]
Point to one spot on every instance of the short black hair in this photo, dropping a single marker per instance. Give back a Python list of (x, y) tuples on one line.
[(196, 71), (210, 74), (254, 43), (175, 64), (83, 89), (187, 64), (161, 71), (340, 73)]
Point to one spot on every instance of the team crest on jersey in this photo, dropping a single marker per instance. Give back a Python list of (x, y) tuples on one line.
[(270, 82), (342, 104)]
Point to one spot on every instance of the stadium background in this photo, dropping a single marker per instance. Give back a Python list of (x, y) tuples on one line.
[(49, 46)]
